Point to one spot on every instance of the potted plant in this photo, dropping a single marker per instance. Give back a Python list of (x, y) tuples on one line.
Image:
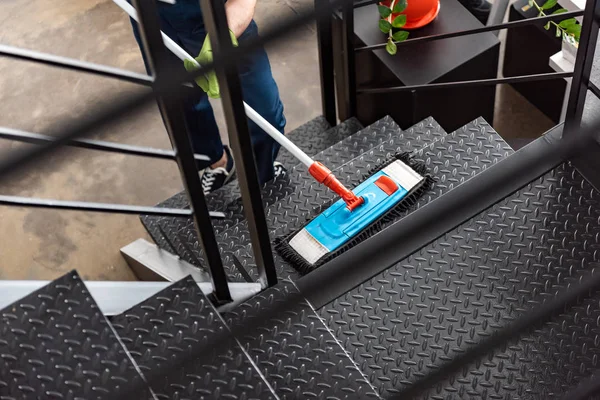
[(569, 30), (396, 14)]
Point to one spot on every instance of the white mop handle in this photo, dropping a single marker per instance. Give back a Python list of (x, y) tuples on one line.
[(281, 139), (250, 112)]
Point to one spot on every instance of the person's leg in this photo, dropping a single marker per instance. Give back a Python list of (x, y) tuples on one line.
[(199, 114), (262, 94)]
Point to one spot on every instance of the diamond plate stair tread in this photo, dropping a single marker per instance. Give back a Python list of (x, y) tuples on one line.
[(474, 279), (312, 137), (306, 195), (295, 352), (55, 343), (276, 190), (163, 331), (451, 160), (315, 142)]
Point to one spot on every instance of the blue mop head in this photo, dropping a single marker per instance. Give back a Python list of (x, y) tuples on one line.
[(388, 191)]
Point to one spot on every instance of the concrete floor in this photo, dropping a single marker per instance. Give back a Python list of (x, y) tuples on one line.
[(44, 244)]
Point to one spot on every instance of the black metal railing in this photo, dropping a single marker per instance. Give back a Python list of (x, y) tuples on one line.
[(372, 252)]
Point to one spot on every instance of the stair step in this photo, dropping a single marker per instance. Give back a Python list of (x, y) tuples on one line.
[(305, 194), (169, 233), (315, 139), (451, 160), (475, 279), (295, 351), (164, 333), (56, 340)]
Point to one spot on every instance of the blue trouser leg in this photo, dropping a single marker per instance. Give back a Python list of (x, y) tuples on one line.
[(259, 90), (261, 93)]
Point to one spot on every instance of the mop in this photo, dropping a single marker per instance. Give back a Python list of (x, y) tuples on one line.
[(385, 193)]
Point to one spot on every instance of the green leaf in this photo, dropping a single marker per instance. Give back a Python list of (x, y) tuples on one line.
[(547, 26), (391, 48), (560, 11), (399, 21), (384, 11), (530, 3), (558, 32), (575, 31), (568, 22), (384, 26), (549, 4), (400, 6), (400, 36)]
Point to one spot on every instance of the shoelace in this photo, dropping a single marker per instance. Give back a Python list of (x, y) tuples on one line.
[(209, 176)]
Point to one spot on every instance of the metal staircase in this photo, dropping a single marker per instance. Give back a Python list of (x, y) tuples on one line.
[(371, 341), (486, 288)]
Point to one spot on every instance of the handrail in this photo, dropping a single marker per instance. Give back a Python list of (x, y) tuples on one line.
[(98, 207), (91, 144), (76, 65), (471, 83)]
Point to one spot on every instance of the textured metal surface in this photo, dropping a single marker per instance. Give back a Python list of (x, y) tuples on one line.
[(296, 353), (451, 159), (171, 233), (161, 334), (180, 235), (56, 344), (279, 188), (307, 196), (313, 141), (475, 278)]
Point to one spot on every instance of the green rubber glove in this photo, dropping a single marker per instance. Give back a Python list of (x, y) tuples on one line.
[(208, 82)]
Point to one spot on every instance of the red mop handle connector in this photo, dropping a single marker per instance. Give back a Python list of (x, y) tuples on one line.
[(323, 175)]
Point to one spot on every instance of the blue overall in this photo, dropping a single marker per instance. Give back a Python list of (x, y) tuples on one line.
[(183, 23)]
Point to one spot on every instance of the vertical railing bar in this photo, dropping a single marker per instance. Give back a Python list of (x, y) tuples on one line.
[(172, 112), (215, 20), (349, 57), (583, 67), (326, 69)]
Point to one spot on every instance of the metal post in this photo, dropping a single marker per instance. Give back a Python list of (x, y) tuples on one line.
[(349, 58), (172, 112), (215, 21), (325, 45), (583, 66)]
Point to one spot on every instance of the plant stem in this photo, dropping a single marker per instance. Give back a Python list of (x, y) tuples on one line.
[(391, 18), (542, 13)]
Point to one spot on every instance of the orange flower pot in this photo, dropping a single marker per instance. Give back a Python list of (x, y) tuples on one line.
[(418, 12)]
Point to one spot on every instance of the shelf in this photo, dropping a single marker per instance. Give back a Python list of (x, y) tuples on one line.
[(561, 64)]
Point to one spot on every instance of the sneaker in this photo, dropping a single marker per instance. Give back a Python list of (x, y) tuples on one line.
[(215, 178), (279, 169)]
